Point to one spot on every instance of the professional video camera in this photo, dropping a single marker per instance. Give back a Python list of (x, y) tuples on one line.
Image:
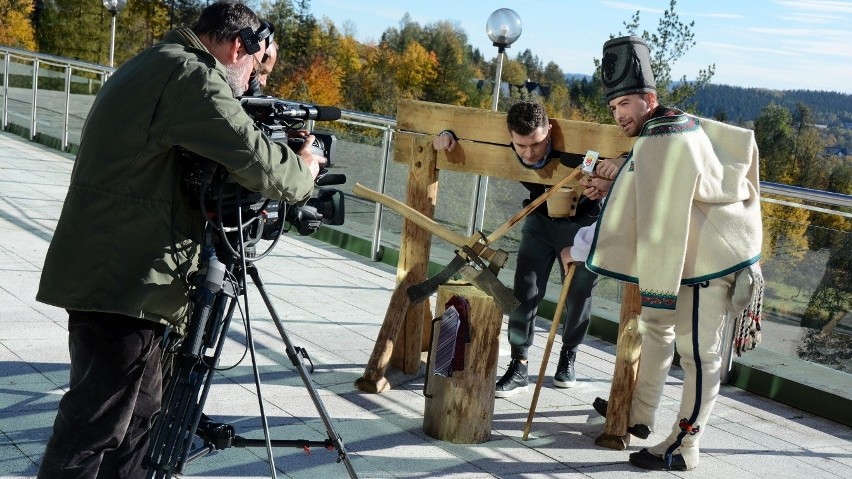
[(236, 219), (279, 120)]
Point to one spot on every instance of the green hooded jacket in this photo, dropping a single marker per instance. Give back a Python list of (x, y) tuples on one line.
[(127, 237)]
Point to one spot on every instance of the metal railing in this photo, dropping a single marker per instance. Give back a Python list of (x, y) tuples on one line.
[(55, 86), (39, 109)]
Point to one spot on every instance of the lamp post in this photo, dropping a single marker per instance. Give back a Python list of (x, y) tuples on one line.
[(114, 6), (503, 28)]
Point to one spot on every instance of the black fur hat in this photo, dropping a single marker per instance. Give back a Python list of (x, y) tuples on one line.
[(626, 68)]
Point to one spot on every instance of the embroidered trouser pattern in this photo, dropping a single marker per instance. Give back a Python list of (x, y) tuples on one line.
[(695, 327)]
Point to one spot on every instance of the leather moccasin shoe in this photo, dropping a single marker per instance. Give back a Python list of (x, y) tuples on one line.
[(647, 460), (639, 430)]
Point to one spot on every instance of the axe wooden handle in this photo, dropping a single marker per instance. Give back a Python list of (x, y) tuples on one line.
[(410, 213), (452, 237), (421, 220), (520, 215)]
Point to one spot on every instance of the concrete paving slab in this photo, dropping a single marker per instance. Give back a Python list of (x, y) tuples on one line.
[(332, 303)]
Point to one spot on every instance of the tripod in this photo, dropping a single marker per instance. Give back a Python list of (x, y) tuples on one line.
[(215, 298)]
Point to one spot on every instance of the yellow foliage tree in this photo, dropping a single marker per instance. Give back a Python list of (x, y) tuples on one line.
[(317, 83), (415, 68), (16, 30)]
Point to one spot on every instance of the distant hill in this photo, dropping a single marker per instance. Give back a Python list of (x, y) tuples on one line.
[(569, 77), (741, 105)]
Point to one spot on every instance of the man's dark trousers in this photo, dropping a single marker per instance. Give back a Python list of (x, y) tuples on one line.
[(542, 240), (102, 426)]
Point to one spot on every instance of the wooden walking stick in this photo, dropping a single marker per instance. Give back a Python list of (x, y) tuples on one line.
[(557, 316)]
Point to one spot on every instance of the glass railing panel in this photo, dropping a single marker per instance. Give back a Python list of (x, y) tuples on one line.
[(20, 101), (808, 269), (50, 103), (85, 85)]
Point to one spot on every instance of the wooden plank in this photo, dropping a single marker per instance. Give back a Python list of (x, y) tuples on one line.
[(467, 123), (485, 159), (485, 126), (483, 147), (400, 335)]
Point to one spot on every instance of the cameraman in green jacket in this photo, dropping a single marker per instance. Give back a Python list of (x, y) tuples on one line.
[(127, 238)]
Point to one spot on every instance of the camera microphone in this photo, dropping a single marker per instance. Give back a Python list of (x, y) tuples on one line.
[(262, 107), (327, 179), (310, 112)]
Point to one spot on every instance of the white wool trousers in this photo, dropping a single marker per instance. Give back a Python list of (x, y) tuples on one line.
[(695, 327)]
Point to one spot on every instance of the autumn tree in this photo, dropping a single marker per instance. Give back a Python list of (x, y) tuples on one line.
[(16, 29), (453, 82), (532, 65), (808, 149), (415, 69), (377, 83), (775, 138), (668, 44), (75, 29), (80, 29), (553, 76), (785, 227), (181, 13)]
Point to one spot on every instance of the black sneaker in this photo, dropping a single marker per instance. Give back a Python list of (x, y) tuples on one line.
[(565, 376), (514, 381)]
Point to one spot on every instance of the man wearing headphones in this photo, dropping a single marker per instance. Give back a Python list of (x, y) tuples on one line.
[(259, 76), (127, 240)]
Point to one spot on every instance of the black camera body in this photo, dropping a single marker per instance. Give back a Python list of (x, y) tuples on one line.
[(324, 145), (223, 199)]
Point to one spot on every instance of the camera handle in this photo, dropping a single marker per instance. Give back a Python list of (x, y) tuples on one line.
[(180, 418)]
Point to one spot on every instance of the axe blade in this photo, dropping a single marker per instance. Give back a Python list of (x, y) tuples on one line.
[(420, 291), (488, 283)]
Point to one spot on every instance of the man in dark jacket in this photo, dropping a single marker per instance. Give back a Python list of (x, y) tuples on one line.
[(125, 243)]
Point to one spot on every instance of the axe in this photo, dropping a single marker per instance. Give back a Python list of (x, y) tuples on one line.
[(473, 249), (423, 290)]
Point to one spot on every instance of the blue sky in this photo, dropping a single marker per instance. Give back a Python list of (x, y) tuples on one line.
[(778, 44)]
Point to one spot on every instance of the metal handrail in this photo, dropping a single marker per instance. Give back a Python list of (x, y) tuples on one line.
[(816, 196), (368, 120), (57, 61)]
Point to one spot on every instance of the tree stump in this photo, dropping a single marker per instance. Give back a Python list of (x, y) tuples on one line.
[(461, 407)]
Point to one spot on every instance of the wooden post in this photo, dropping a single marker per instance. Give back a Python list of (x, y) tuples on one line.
[(461, 408), (628, 349), (421, 195), (403, 323)]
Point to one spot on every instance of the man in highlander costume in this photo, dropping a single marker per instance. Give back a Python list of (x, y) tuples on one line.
[(682, 220)]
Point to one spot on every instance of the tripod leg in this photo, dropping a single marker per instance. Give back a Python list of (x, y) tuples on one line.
[(297, 359), (186, 393), (264, 422)]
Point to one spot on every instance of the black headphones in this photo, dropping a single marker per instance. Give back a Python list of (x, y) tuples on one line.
[(251, 39)]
